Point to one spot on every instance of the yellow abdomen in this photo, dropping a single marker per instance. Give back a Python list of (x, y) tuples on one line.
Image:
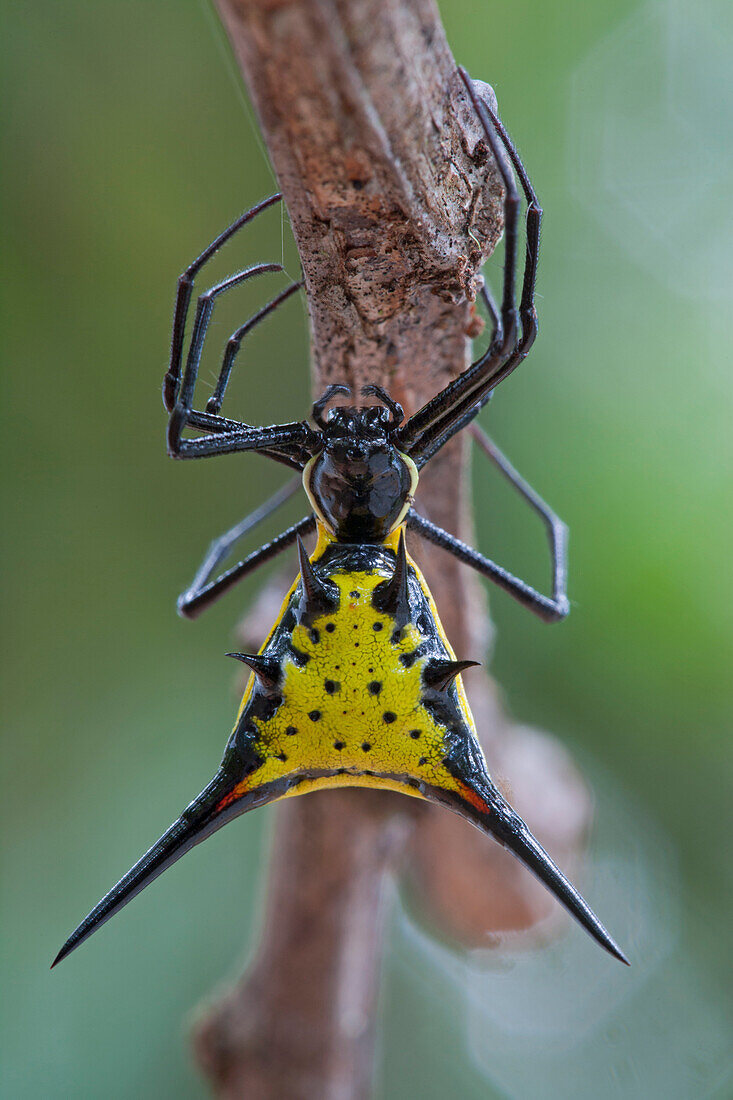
[(354, 706)]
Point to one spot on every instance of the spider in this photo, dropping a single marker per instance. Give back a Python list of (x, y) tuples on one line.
[(419, 438), (356, 684)]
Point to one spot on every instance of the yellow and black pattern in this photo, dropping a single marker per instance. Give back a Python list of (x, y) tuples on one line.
[(355, 686), (354, 696)]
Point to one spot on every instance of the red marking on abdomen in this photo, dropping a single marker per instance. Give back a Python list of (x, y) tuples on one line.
[(236, 793), (475, 799)]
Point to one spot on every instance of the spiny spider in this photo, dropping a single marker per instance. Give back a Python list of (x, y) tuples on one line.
[(356, 684)]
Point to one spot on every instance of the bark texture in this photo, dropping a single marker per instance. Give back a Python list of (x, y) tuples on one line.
[(395, 205)]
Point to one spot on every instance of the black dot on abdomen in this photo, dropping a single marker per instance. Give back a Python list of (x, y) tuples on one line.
[(330, 627), (366, 746), (377, 626), (374, 687), (315, 636), (388, 716), (422, 760), (330, 686), (339, 745), (291, 731), (314, 715), (414, 734)]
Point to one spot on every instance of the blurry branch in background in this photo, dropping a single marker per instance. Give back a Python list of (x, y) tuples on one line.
[(394, 210)]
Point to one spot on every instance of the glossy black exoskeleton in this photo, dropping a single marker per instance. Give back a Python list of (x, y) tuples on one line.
[(361, 484)]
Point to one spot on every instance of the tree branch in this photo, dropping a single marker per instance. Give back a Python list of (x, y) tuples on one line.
[(394, 207)]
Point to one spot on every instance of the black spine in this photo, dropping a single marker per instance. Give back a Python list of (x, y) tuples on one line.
[(439, 675), (317, 597), (393, 597)]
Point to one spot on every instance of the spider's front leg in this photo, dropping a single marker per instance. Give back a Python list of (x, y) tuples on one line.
[(450, 410), (226, 436), (287, 443), (172, 379)]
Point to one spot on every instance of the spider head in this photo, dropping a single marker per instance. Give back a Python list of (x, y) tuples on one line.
[(359, 483)]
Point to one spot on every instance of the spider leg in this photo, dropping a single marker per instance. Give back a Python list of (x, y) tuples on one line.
[(289, 441), (557, 532), (549, 608), (233, 344), (497, 326), (183, 298), (414, 434), (202, 594), (429, 450), (433, 425), (527, 309), (533, 224), (204, 310), (283, 442), (290, 454), (228, 436), (221, 547)]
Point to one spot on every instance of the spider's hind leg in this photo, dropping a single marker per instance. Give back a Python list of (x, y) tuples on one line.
[(549, 608), (557, 531)]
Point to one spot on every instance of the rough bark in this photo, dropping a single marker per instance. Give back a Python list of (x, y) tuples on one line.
[(394, 207)]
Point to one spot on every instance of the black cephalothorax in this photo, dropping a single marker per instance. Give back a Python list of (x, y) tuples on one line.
[(360, 484), (357, 684)]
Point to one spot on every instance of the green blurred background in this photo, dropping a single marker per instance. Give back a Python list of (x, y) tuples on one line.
[(128, 146)]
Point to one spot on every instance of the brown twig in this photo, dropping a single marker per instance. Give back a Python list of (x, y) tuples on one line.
[(394, 209)]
